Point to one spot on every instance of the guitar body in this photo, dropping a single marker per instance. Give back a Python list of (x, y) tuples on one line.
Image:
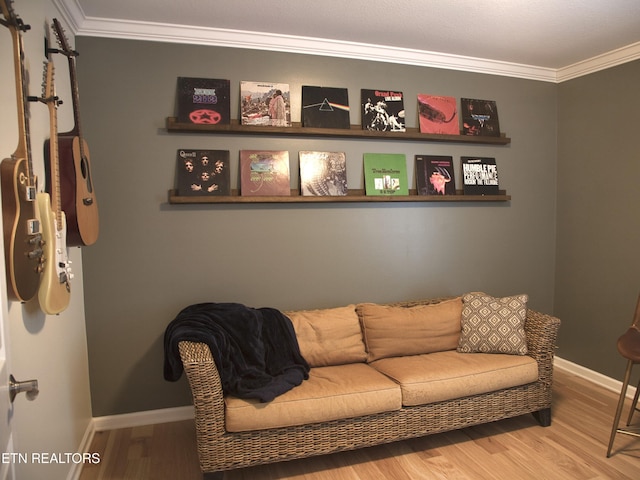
[(55, 291), (21, 225), (22, 238), (76, 182), (76, 190)]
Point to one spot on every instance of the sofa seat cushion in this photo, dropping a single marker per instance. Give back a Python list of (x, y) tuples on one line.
[(440, 376), (330, 393)]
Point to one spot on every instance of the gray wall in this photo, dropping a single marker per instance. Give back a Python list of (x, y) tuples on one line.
[(152, 258), (598, 265)]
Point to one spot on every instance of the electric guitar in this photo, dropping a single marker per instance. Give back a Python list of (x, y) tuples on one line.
[(55, 291), (21, 225), (77, 192)]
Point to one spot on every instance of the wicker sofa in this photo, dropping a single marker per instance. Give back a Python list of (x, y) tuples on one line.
[(375, 389)]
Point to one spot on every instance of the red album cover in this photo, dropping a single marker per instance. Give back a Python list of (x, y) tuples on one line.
[(438, 114)]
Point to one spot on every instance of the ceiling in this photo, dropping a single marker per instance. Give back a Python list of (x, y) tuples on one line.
[(541, 39)]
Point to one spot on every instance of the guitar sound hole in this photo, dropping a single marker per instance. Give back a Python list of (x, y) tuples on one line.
[(84, 168)]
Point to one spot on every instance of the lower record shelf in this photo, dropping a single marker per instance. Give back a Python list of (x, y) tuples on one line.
[(352, 196)]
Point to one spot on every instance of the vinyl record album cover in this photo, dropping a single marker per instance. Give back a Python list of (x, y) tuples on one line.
[(382, 110), (479, 176), (479, 117), (203, 100), (265, 103), (264, 173), (323, 173), (325, 107), (435, 175), (203, 172), (385, 174), (438, 114)]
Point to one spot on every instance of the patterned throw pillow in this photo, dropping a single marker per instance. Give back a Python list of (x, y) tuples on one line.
[(493, 325)]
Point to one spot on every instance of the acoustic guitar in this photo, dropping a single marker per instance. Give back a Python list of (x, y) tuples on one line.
[(77, 192), (55, 290), (21, 225)]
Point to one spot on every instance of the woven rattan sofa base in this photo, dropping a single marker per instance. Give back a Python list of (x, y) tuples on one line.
[(219, 450)]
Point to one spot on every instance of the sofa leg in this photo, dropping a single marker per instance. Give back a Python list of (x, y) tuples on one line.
[(213, 476), (543, 417)]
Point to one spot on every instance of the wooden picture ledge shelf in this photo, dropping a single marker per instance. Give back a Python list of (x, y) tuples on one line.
[(351, 197), (356, 131)]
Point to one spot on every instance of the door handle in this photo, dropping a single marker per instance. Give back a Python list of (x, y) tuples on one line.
[(30, 388)]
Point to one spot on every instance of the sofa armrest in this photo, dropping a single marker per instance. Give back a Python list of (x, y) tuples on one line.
[(206, 388), (542, 331)]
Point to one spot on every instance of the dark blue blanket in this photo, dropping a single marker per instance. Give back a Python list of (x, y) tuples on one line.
[(255, 350)]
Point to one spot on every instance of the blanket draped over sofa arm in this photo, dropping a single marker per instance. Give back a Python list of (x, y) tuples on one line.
[(255, 350)]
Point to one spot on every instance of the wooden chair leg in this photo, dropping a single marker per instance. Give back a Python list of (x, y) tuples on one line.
[(543, 417), (634, 404), (623, 394)]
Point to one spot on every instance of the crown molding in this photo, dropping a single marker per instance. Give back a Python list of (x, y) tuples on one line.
[(600, 62), (71, 13), (162, 32)]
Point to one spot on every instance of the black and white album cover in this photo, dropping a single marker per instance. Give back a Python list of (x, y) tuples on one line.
[(479, 176), (382, 110)]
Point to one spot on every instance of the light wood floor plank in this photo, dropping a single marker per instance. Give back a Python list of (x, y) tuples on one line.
[(573, 447)]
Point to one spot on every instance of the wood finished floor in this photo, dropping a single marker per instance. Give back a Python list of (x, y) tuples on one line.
[(574, 447)]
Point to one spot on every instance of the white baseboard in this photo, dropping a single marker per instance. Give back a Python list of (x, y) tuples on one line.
[(85, 447), (595, 377), (176, 414), (136, 419)]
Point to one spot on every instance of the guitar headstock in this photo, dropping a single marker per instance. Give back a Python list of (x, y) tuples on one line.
[(7, 11), (61, 37), (48, 85), (11, 17)]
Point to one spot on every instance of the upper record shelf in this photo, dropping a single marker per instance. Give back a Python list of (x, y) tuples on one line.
[(356, 131)]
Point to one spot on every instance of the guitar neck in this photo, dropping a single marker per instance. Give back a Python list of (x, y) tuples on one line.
[(49, 97), (23, 149), (75, 98), (56, 201), (71, 55)]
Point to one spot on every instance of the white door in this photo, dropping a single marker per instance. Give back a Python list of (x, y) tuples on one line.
[(9, 389), (6, 413), (7, 95), (7, 99)]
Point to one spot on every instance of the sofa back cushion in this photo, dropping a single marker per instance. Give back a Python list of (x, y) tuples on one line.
[(329, 336), (393, 331)]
